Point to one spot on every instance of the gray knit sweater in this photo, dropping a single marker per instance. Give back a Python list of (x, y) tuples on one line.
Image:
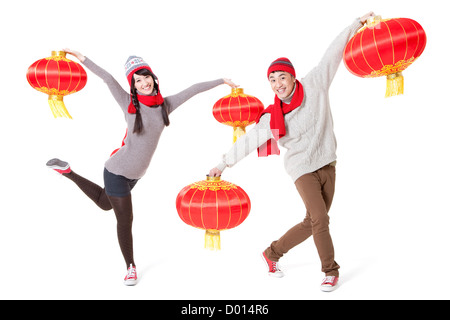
[(309, 139), (133, 159)]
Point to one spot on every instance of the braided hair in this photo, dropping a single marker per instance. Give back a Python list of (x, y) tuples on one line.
[(138, 126)]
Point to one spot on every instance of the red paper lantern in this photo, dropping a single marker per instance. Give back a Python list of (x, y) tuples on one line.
[(213, 205), (237, 110), (385, 48), (57, 76)]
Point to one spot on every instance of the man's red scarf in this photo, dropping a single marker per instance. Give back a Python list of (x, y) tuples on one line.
[(277, 111), (149, 101)]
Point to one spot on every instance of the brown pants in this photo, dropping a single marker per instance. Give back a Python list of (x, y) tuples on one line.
[(316, 190)]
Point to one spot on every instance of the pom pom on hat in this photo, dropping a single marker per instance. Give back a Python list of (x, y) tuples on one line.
[(281, 64), (134, 64)]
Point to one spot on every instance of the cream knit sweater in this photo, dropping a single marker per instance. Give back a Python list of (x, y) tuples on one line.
[(309, 139)]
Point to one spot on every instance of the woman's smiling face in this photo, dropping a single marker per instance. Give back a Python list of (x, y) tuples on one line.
[(144, 84)]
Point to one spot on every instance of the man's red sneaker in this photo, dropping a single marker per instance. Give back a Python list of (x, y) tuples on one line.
[(329, 283), (272, 267)]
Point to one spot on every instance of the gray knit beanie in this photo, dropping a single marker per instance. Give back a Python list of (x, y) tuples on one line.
[(134, 64)]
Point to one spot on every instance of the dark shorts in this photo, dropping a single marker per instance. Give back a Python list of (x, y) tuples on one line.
[(118, 186)]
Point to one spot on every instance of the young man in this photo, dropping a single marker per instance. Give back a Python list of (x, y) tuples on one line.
[(300, 120)]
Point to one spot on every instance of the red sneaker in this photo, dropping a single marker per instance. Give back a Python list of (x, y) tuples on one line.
[(131, 277), (272, 266), (59, 166), (329, 283)]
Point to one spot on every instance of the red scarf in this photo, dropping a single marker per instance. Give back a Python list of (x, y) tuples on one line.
[(277, 111), (149, 101)]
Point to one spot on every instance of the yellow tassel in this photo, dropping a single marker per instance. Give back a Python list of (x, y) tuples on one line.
[(212, 239), (394, 85), (57, 106), (238, 132)]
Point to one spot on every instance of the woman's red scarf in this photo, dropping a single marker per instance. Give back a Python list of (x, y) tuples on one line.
[(277, 111), (149, 101)]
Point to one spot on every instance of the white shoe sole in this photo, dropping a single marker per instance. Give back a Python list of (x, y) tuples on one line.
[(57, 164), (130, 282), (277, 274), (329, 288)]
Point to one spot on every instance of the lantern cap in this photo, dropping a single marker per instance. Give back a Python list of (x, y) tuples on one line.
[(236, 91), (59, 54), (373, 21), (208, 178)]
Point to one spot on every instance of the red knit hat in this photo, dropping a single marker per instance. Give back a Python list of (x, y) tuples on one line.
[(134, 64), (281, 64)]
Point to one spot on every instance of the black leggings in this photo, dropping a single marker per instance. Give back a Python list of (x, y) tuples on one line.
[(122, 207)]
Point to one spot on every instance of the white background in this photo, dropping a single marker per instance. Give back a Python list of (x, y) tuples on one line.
[(390, 217)]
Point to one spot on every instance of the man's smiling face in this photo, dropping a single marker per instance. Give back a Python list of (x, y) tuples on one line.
[(282, 83)]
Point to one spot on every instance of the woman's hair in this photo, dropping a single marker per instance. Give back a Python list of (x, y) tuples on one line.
[(138, 126)]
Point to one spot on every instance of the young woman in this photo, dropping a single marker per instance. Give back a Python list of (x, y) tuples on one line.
[(146, 114), (300, 120)]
